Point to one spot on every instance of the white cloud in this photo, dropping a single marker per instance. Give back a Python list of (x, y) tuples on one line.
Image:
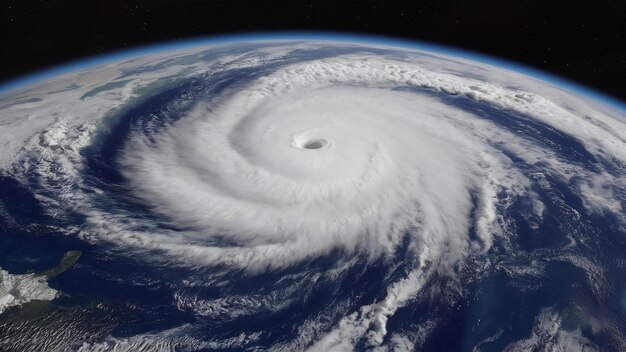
[(393, 162), (16, 290), (549, 335)]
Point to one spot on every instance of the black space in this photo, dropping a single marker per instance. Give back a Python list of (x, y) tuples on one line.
[(584, 41)]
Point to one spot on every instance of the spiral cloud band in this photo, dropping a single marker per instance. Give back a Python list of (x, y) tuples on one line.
[(421, 163)]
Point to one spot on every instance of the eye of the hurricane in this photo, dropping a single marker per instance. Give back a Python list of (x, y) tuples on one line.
[(314, 144), (304, 142)]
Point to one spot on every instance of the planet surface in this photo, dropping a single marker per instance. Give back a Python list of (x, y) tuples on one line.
[(309, 194)]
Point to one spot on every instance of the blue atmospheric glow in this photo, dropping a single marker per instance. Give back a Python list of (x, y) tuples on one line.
[(326, 36)]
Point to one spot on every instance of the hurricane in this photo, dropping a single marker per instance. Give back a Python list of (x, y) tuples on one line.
[(317, 195)]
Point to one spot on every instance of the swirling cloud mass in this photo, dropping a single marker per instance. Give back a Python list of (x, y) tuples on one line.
[(303, 163)]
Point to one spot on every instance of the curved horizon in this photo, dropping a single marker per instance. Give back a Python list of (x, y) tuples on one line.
[(52, 71)]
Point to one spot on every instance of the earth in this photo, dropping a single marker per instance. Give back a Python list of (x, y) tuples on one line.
[(310, 193)]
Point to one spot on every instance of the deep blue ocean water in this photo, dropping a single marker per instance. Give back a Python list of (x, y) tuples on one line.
[(137, 296)]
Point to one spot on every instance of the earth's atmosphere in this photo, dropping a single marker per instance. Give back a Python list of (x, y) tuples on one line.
[(294, 194)]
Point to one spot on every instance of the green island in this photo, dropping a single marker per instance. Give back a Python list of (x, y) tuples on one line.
[(67, 261), (36, 309)]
